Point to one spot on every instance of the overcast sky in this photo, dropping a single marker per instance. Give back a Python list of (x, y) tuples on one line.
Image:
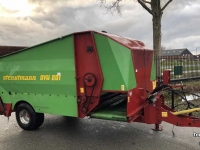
[(29, 22)]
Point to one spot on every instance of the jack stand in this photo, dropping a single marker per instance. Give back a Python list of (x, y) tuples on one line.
[(158, 127)]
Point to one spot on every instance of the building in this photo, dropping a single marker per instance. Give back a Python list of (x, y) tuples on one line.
[(176, 53), (4, 50)]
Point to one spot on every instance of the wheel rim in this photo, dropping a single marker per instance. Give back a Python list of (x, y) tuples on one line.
[(24, 116)]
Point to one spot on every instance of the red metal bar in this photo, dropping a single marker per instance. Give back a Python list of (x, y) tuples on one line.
[(157, 112), (8, 109), (137, 112), (2, 109), (166, 77), (183, 121)]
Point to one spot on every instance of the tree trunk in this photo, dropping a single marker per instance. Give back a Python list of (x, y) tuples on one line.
[(157, 35), (157, 15)]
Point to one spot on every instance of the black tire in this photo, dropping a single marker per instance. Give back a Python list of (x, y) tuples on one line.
[(26, 117), (40, 119)]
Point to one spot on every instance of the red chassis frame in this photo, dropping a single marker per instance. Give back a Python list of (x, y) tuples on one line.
[(156, 112)]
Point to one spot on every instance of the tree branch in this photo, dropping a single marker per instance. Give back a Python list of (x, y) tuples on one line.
[(146, 2), (166, 5), (114, 5), (145, 6)]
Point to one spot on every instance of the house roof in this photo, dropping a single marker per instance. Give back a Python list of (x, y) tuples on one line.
[(175, 52), (4, 50)]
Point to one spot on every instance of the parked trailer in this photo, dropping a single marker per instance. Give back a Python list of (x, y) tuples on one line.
[(86, 73)]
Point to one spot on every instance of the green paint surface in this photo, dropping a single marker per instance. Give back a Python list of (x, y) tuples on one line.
[(52, 58), (116, 64), (153, 71), (113, 114)]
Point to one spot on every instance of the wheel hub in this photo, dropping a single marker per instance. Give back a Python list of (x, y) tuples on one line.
[(24, 116)]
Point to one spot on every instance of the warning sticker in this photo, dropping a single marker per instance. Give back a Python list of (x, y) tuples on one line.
[(128, 99), (81, 90), (154, 84), (164, 114), (122, 87)]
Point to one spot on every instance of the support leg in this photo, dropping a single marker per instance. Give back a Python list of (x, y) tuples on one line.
[(158, 127)]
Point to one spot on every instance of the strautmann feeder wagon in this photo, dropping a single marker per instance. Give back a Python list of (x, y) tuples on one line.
[(84, 74)]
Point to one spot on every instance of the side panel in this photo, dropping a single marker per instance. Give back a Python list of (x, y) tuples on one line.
[(144, 71), (136, 99), (88, 72), (43, 75), (142, 61), (116, 63)]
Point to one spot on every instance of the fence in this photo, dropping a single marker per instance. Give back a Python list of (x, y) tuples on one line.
[(181, 67)]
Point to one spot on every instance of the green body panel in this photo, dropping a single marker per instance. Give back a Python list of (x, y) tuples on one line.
[(116, 115), (116, 64), (153, 71), (43, 75)]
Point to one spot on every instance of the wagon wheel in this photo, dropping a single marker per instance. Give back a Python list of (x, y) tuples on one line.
[(27, 118)]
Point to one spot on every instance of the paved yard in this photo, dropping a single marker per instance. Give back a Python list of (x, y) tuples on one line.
[(63, 133)]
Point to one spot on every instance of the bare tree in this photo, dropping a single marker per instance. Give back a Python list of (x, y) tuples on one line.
[(156, 10), (163, 48)]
